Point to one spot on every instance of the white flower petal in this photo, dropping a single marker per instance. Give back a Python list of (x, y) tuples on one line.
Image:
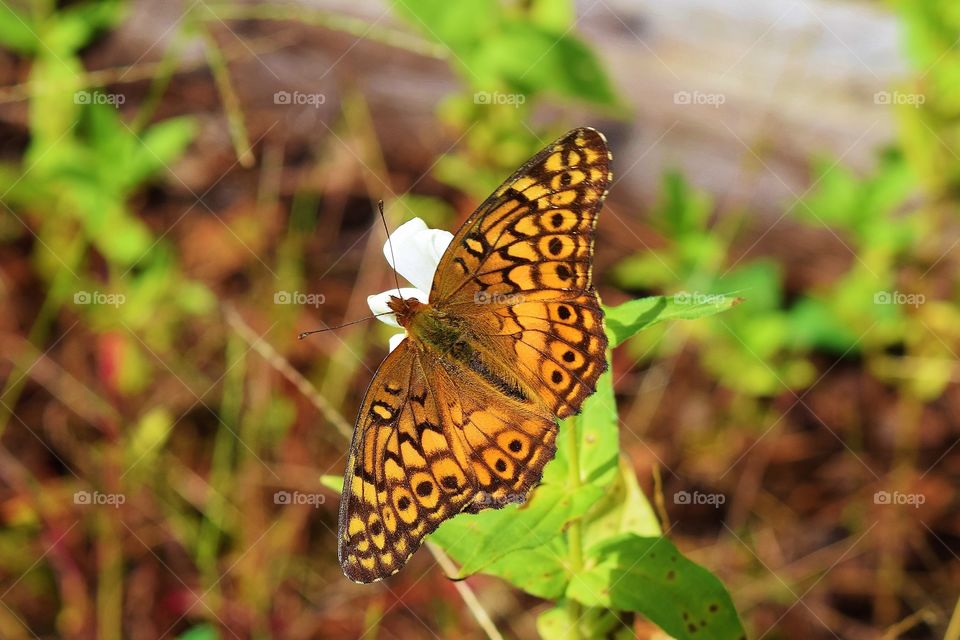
[(378, 303), (396, 339), (418, 250)]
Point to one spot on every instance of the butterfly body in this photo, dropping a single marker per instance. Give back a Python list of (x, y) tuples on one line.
[(461, 416)]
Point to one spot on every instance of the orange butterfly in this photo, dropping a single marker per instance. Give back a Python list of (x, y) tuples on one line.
[(461, 415)]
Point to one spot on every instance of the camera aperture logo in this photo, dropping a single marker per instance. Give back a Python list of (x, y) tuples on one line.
[(99, 298), (714, 100), (96, 498), (99, 97), (299, 98), (899, 298), (695, 497), (505, 299), (696, 298), (498, 97), (295, 297), (899, 98), (289, 498), (489, 500), (897, 497)]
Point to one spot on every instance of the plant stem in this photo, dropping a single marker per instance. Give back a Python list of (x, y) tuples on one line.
[(575, 530)]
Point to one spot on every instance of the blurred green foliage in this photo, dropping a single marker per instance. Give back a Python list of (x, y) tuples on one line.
[(83, 167), (588, 540)]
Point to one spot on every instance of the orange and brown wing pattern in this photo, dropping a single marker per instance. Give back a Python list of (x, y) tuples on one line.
[(506, 441), (560, 347), (521, 268), (390, 492), (426, 448), (462, 415), (535, 233)]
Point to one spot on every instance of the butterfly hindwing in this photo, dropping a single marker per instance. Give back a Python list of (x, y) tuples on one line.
[(426, 448), (559, 344)]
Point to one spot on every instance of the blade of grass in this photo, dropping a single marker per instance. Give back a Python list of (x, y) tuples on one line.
[(278, 362), (359, 27), (228, 96)]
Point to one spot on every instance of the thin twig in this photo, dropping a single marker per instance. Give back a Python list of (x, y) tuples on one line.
[(358, 27), (281, 364), (469, 597), (912, 620)]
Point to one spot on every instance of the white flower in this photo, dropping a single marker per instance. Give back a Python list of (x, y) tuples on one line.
[(418, 250)]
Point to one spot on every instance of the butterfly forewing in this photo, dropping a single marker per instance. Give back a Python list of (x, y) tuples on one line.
[(522, 264), (471, 425), (534, 234)]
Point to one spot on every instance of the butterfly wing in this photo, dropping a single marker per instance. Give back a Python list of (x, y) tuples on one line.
[(428, 444), (520, 270)]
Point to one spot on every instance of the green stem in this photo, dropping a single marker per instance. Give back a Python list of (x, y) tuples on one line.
[(575, 530)]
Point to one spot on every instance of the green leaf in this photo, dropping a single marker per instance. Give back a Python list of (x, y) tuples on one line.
[(650, 576), (149, 436), (541, 571), (530, 59), (71, 29), (556, 624), (456, 25), (201, 632), (162, 144), (16, 32), (623, 509), (332, 482), (558, 15), (682, 209), (477, 540), (54, 83), (498, 50), (629, 318)]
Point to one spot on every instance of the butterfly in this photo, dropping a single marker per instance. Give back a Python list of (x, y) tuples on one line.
[(462, 415)]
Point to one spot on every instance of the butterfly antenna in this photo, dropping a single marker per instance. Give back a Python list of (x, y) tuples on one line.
[(393, 257), (340, 326)]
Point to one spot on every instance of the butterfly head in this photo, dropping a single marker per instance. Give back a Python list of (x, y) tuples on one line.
[(405, 308)]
